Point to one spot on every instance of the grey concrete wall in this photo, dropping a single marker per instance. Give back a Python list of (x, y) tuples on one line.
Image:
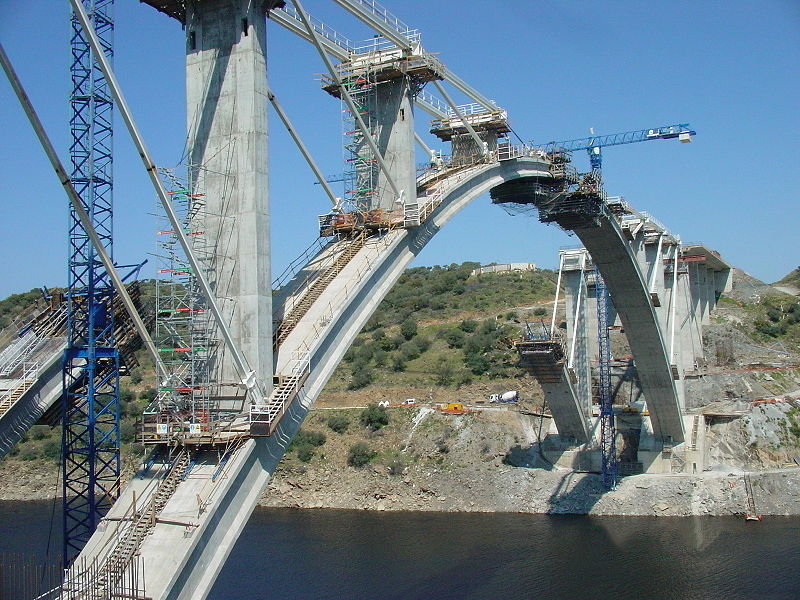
[(226, 95)]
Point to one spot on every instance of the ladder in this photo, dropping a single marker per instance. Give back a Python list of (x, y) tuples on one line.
[(316, 289), (113, 568)]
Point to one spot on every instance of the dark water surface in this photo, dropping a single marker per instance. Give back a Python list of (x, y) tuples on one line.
[(312, 554)]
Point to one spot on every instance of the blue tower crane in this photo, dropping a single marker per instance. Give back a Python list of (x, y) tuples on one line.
[(593, 144), (90, 402)]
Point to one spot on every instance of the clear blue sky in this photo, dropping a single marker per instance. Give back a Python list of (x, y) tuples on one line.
[(728, 68)]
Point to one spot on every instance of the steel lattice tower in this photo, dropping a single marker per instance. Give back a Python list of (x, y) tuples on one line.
[(607, 446), (90, 404)]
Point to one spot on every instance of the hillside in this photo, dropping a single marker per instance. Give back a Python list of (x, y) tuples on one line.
[(444, 335), (790, 283)]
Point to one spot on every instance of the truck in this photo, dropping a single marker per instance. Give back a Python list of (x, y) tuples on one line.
[(505, 397)]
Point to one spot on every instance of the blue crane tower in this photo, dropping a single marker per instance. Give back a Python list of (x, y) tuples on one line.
[(593, 145), (90, 402)]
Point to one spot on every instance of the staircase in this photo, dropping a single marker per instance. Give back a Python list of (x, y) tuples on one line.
[(113, 569), (31, 372), (298, 311), (264, 418)]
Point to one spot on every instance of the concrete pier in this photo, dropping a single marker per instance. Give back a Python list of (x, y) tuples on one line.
[(226, 95)]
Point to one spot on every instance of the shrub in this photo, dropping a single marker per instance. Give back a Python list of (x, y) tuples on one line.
[(338, 423), (374, 417), (380, 357), (445, 372), (362, 377), (423, 343), (410, 350), (408, 328), (468, 325), (306, 443), (310, 438), (40, 432), (52, 449), (453, 337), (359, 455)]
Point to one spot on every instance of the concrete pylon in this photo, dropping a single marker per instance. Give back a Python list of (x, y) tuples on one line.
[(226, 95), (394, 111)]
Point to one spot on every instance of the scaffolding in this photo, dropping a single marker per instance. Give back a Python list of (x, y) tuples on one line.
[(361, 175), (608, 451), (184, 330)]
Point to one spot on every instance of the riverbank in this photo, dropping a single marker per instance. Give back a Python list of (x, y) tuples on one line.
[(424, 460)]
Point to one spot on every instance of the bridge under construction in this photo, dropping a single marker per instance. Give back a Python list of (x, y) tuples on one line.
[(241, 357)]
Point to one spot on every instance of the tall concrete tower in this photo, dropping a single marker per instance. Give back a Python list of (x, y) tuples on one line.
[(226, 99)]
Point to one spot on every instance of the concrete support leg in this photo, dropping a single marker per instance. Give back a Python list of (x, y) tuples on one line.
[(395, 115), (226, 94), (580, 366)]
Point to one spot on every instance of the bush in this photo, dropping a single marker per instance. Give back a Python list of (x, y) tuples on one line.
[(338, 423), (362, 377), (310, 438), (410, 350), (423, 343), (359, 455), (374, 417), (453, 337), (408, 328), (306, 443), (468, 325), (52, 449), (40, 432)]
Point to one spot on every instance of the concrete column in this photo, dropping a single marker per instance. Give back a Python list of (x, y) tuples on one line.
[(395, 140), (575, 284), (226, 99), (710, 293)]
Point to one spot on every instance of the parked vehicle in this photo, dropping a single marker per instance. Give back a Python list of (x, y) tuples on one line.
[(505, 397)]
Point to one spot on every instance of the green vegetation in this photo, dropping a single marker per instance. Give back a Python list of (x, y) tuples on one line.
[(305, 444), (338, 422), (17, 305), (360, 454), (374, 417), (780, 318), (793, 278)]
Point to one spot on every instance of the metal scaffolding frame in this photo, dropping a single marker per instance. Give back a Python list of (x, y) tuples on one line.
[(608, 451)]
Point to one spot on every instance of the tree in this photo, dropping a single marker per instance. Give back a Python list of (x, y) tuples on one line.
[(374, 417), (362, 377), (408, 328), (445, 371)]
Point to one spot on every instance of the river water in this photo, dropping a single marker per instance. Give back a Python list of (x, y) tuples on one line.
[(332, 554)]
